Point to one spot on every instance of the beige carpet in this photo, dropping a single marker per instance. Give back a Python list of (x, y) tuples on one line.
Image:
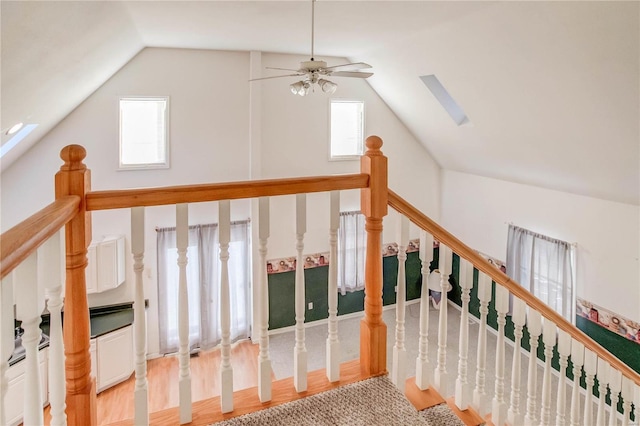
[(374, 401)]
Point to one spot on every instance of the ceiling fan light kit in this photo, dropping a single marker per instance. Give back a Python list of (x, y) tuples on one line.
[(313, 72)]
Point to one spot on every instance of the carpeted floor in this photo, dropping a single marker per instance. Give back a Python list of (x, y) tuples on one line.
[(374, 401)]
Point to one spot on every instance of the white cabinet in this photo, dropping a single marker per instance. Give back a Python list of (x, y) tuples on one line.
[(113, 357), (14, 400), (105, 269)]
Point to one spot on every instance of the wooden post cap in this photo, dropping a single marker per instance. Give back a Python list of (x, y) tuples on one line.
[(373, 143), (72, 155)]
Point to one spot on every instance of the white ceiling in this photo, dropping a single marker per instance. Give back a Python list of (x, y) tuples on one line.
[(552, 89)]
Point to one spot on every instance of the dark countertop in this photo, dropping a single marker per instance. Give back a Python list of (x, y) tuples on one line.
[(104, 319)]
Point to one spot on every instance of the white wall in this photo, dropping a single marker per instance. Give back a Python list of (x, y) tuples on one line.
[(210, 135), (477, 210)]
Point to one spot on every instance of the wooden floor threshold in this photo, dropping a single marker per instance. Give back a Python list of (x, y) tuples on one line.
[(246, 401)]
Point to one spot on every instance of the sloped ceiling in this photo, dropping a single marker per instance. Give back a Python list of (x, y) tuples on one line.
[(552, 89)]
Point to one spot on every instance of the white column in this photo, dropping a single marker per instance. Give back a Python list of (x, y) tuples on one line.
[(399, 367), (615, 385), (182, 242), (463, 389), (264, 363), (51, 270), (29, 307), (627, 397), (564, 350), (141, 393), (603, 379), (519, 317), (226, 371), (590, 368), (300, 351), (534, 326), (424, 377), (7, 325), (549, 341), (577, 359), (333, 344), (480, 402), (499, 404), (440, 376)]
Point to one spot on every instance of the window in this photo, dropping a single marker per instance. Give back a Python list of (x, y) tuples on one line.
[(544, 266), (352, 245), (143, 132), (347, 129)]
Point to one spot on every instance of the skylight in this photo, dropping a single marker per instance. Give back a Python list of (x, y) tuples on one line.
[(446, 100), (15, 140)]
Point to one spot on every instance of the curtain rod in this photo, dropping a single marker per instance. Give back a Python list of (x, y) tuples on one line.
[(574, 244)]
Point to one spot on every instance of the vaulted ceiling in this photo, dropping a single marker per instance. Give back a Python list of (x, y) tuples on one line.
[(551, 89)]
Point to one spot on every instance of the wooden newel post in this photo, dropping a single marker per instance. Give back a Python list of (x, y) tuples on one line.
[(373, 202), (75, 179)]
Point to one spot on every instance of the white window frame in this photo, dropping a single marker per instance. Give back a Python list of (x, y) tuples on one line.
[(145, 166), (346, 157)]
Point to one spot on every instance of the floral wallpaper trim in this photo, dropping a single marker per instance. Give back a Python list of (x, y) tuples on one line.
[(609, 320), (286, 264)]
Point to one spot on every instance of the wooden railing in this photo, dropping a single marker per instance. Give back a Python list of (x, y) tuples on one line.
[(73, 206), (557, 334)]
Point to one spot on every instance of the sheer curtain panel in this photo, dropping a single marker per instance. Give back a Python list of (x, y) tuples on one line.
[(203, 285), (542, 265), (352, 243)]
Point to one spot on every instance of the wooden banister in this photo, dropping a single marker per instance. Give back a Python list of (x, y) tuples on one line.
[(126, 198), (373, 203), (480, 263), (75, 179), (19, 242)]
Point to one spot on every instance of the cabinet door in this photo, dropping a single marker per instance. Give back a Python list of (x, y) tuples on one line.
[(115, 357), (14, 400), (91, 272), (93, 350), (110, 263)]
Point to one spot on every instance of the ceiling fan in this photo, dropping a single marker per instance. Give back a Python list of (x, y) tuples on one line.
[(313, 71)]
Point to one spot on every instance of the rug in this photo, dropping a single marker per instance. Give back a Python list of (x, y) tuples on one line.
[(441, 415), (374, 401)]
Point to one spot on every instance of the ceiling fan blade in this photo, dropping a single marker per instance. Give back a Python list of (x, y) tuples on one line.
[(281, 69), (349, 67), (351, 74), (276, 76)]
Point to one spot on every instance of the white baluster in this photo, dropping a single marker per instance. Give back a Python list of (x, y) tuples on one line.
[(463, 389), (499, 405), (615, 385), (534, 326), (7, 325), (577, 359), (182, 242), (603, 379), (627, 397), (226, 371), (300, 351), (264, 363), (445, 266), (423, 369), (519, 317), (564, 350), (333, 344), (51, 270), (636, 401), (549, 341), (480, 402), (399, 367), (590, 368), (141, 393), (29, 307)]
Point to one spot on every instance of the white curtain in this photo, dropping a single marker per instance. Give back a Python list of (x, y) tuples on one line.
[(543, 266), (203, 285), (352, 243)]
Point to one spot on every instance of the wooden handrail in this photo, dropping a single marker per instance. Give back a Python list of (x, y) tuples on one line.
[(480, 263), (126, 198), (19, 242)]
